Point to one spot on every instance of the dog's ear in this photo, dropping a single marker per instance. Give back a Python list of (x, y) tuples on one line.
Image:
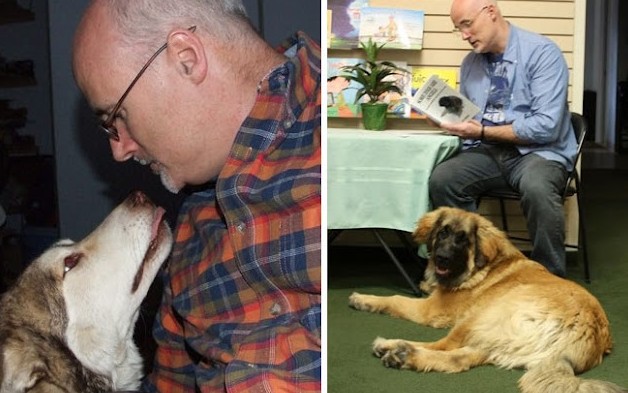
[(480, 258), (488, 241), (427, 227)]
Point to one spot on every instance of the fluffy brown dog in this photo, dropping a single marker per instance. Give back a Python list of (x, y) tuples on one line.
[(503, 309)]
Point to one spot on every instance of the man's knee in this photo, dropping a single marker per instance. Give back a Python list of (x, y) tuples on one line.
[(438, 184)]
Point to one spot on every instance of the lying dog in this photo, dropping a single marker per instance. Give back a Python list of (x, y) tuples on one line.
[(503, 309), (67, 324)]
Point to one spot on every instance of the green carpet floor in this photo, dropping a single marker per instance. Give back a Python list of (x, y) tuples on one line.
[(351, 367)]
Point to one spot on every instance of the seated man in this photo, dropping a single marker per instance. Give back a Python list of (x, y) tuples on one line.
[(523, 137)]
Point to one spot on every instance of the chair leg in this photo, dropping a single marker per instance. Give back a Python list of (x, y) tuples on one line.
[(392, 256), (332, 234), (582, 237), (502, 208)]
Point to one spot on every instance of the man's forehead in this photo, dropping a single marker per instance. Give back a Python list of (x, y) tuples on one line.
[(97, 57), (462, 8), (97, 35)]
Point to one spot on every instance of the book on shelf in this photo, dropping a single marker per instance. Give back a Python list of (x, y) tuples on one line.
[(342, 91), (397, 28), (398, 104), (345, 23), (421, 74), (441, 103)]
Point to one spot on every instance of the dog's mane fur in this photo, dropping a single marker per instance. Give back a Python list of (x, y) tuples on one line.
[(39, 339)]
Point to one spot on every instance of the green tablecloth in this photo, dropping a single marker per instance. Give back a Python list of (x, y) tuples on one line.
[(379, 179)]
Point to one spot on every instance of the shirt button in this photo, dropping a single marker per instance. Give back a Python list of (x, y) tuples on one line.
[(287, 124), (241, 227), (275, 309)]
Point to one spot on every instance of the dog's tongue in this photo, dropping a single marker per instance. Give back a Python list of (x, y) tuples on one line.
[(157, 218)]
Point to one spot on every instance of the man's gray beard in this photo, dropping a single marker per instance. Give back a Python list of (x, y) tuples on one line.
[(167, 182)]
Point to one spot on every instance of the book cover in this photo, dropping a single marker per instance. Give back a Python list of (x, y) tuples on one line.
[(441, 103), (345, 23), (397, 28), (420, 75), (399, 104), (330, 15), (341, 92)]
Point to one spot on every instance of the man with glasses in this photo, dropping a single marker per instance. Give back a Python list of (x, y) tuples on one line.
[(189, 89), (523, 138)]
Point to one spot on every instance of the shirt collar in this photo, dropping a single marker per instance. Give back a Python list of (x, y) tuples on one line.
[(282, 96), (510, 54)]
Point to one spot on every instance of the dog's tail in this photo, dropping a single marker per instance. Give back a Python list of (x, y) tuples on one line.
[(557, 376)]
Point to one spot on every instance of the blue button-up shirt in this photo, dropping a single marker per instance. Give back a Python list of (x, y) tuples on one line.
[(539, 79)]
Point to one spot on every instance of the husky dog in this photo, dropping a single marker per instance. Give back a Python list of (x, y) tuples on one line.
[(67, 323)]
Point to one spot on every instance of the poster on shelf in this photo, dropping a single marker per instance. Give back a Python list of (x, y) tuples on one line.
[(345, 23), (397, 28)]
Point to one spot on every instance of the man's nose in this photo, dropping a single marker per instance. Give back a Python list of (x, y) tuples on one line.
[(123, 149)]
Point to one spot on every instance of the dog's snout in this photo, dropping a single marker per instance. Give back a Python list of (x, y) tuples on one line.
[(442, 259)]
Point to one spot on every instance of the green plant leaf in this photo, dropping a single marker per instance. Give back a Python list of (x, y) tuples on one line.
[(371, 74)]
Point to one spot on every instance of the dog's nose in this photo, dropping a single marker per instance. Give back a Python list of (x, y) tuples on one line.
[(441, 260), (138, 198)]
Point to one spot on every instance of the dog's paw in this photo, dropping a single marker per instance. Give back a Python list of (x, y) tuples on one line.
[(394, 353), (427, 286), (360, 302), (382, 345)]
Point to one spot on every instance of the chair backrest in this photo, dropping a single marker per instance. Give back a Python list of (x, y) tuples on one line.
[(579, 124)]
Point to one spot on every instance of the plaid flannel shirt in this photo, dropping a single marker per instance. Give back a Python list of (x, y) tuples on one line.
[(241, 310)]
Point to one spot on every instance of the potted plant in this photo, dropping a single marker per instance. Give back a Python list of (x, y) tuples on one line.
[(376, 78)]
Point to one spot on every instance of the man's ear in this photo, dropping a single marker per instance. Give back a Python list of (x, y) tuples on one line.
[(187, 52)]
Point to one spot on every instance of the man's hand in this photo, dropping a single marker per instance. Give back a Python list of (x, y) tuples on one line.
[(471, 129)]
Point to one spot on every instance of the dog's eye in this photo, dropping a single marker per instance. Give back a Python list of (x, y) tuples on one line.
[(461, 237), (70, 262), (443, 233)]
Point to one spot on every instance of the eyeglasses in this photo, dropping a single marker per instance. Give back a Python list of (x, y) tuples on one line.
[(107, 125), (465, 25)]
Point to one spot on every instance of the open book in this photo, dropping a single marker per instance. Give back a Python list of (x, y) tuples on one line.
[(438, 101)]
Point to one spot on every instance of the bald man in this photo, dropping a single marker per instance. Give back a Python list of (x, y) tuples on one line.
[(191, 90), (523, 138)]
